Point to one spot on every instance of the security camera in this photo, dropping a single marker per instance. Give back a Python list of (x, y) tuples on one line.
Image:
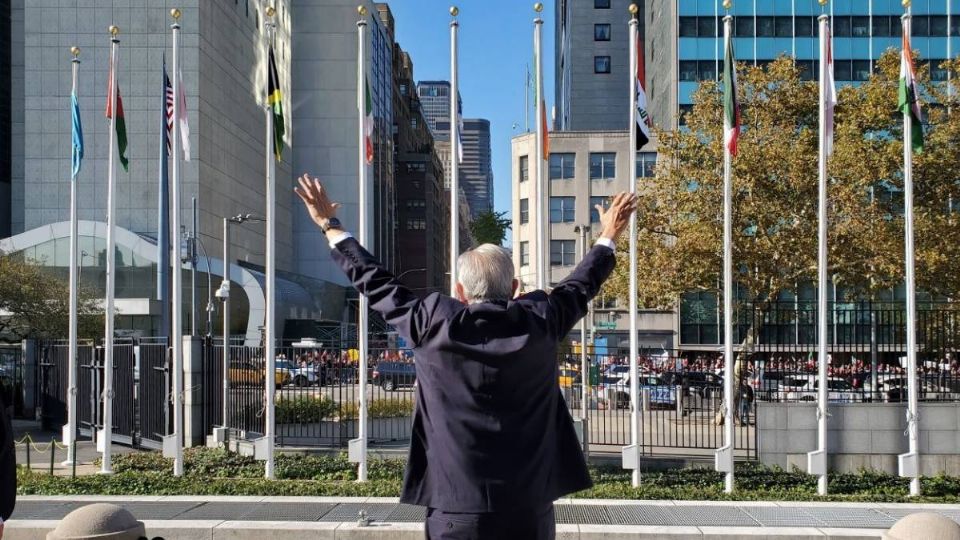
[(224, 291)]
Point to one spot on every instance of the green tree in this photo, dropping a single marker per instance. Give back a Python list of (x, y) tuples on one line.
[(36, 304), (680, 220), (490, 227)]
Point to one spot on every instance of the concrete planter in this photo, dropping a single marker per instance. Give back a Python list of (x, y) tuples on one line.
[(337, 432)]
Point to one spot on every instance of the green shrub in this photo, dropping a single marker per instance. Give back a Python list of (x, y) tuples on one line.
[(304, 410), (378, 408)]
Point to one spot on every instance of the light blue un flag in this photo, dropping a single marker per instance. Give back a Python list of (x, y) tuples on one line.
[(77, 135)]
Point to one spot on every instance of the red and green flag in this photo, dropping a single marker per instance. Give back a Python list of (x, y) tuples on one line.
[(367, 121), (908, 102), (120, 123), (275, 101), (731, 109)]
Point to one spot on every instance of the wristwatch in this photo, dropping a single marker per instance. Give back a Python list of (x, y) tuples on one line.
[(332, 223)]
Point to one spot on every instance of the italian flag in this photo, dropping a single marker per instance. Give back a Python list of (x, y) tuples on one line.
[(368, 120), (731, 109), (908, 102), (121, 124)]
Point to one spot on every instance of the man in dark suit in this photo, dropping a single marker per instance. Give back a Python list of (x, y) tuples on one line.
[(8, 467), (493, 443)]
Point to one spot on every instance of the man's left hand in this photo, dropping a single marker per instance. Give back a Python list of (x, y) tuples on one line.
[(315, 199)]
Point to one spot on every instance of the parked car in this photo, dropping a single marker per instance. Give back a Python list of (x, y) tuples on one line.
[(697, 383), (299, 376), (806, 387), (617, 391), (616, 371), (895, 389), (253, 373), (393, 375)]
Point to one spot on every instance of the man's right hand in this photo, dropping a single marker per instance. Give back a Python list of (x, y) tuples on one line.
[(615, 219)]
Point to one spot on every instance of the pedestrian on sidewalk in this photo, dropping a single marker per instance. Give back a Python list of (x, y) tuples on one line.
[(493, 442), (8, 467)]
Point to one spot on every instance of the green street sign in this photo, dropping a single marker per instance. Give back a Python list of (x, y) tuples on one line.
[(606, 325)]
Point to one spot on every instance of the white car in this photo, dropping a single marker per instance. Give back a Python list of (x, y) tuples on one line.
[(299, 376), (805, 388)]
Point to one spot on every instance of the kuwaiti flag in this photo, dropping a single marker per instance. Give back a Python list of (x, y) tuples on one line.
[(643, 119), (121, 124), (367, 120), (831, 93), (731, 109), (184, 125), (908, 102)]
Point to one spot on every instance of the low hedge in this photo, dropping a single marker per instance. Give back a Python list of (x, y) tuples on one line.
[(309, 410), (218, 472)]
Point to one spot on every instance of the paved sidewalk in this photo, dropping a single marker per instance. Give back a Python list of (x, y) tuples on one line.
[(239, 518)]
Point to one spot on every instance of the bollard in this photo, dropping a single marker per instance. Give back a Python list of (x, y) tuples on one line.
[(924, 525), (679, 400), (73, 443), (27, 442), (645, 399), (53, 452)]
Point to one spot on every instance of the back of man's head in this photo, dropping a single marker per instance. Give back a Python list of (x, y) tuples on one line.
[(486, 274)]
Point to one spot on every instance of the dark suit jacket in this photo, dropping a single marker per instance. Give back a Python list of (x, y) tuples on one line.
[(491, 430), (8, 465)]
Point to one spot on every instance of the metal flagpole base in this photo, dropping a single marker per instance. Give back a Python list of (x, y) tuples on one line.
[(909, 465), (355, 450), (817, 462), (723, 459), (631, 457)]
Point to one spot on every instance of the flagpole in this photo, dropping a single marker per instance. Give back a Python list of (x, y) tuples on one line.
[(106, 435), (454, 151), (70, 430), (271, 330), (913, 429), (817, 460), (634, 360), (363, 229), (177, 286), (543, 253), (725, 454)]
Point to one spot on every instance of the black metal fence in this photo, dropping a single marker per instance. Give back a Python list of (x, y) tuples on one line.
[(11, 378)]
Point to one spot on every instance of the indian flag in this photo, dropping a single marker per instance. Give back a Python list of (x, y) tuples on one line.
[(368, 120), (731, 109), (908, 103)]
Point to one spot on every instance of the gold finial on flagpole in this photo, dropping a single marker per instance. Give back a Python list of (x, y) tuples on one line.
[(538, 7), (175, 13), (454, 11), (633, 9), (905, 3), (271, 11), (114, 30), (823, 2), (75, 51), (362, 10), (727, 4)]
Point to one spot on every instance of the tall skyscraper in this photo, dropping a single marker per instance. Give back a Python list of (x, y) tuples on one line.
[(686, 41), (6, 140), (477, 173), (592, 64), (435, 100)]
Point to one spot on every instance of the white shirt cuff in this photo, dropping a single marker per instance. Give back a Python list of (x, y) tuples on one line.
[(343, 235), (608, 243)]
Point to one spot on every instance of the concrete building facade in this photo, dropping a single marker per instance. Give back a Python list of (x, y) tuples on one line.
[(592, 64), (435, 98), (585, 169)]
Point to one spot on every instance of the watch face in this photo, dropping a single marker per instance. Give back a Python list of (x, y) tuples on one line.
[(333, 223)]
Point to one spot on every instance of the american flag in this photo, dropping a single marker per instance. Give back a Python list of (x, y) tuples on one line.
[(169, 93)]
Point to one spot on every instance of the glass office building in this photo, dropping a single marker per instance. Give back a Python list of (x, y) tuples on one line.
[(766, 29)]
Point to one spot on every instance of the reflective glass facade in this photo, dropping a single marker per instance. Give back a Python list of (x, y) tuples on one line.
[(766, 29)]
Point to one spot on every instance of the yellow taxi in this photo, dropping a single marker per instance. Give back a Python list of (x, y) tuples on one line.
[(244, 373)]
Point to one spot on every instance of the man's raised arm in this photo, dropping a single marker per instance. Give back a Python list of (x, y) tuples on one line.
[(568, 300), (399, 306)]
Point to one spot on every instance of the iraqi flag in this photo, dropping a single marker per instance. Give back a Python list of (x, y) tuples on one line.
[(121, 124), (731, 109), (830, 95), (367, 121), (643, 118), (908, 103)]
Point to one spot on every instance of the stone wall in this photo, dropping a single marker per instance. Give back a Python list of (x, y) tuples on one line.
[(860, 436)]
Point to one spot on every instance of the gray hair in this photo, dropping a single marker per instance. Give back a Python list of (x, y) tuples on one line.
[(486, 273)]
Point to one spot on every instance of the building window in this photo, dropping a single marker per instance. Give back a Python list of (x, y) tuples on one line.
[(601, 64), (684, 110), (784, 26), (706, 27), (601, 4), (416, 224), (937, 73), (688, 71), (524, 253), (524, 211), (766, 27), (842, 70), (601, 32), (861, 70), (841, 26), (603, 166), (524, 168), (562, 209), (562, 252), (804, 26), (743, 26), (938, 25), (605, 302), (860, 26), (403, 89), (416, 204), (646, 164), (413, 122), (561, 166), (920, 26), (688, 27), (594, 201), (707, 70)]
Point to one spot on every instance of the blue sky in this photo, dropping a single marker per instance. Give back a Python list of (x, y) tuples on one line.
[(496, 43)]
